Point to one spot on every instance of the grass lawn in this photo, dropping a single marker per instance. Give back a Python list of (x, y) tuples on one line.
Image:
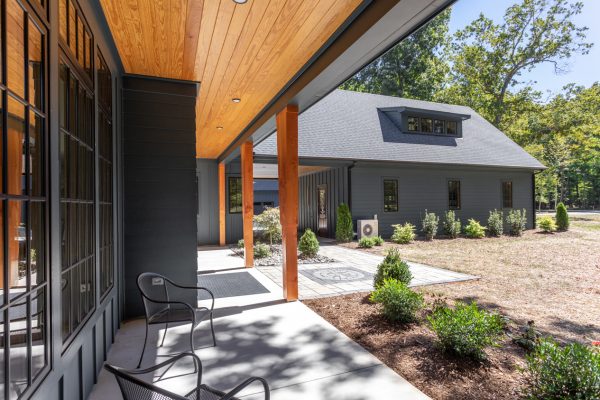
[(552, 279)]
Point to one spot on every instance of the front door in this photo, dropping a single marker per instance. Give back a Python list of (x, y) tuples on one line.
[(322, 210)]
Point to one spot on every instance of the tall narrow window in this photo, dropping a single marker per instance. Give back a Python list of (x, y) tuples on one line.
[(77, 150), (507, 194), (438, 126), (426, 125), (454, 195), (413, 124), (390, 195), (105, 165), (451, 128), (24, 274), (235, 195)]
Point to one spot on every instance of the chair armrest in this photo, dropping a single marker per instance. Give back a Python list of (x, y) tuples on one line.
[(247, 382), (212, 296), (170, 361)]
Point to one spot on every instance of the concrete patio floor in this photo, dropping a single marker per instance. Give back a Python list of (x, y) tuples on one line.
[(300, 354)]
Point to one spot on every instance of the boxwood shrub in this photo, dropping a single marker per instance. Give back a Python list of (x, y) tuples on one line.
[(308, 245), (399, 302), (555, 372), (465, 330), (366, 243), (392, 267)]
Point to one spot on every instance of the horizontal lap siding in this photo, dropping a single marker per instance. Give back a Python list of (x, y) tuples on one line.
[(423, 188)]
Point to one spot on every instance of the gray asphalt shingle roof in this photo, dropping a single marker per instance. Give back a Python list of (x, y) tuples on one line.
[(350, 125)]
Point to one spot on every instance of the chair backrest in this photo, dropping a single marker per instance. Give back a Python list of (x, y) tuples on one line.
[(153, 286), (133, 388)]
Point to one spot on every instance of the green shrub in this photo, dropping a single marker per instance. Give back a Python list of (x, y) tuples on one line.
[(392, 267), (555, 372), (403, 234), (516, 221), (546, 224), (562, 217), (366, 243), (378, 240), (465, 330), (269, 222), (474, 230), (496, 223), (451, 225), (240, 244), (430, 225), (399, 302), (309, 245), (344, 232), (261, 250)]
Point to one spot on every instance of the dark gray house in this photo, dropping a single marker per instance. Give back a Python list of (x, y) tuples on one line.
[(393, 158)]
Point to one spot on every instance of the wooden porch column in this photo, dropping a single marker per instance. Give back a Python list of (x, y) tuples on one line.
[(287, 159), (248, 201), (221, 204)]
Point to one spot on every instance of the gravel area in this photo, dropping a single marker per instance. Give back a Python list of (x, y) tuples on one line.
[(275, 257)]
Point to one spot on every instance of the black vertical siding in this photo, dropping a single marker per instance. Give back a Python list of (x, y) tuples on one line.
[(336, 181), (160, 191)]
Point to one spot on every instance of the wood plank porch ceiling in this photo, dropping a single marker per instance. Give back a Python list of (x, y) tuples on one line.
[(247, 51)]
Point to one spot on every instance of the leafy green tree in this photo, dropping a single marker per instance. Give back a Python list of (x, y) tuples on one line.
[(488, 59), (410, 69), (269, 221)]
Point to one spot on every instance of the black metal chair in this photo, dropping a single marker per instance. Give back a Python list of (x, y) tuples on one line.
[(162, 307), (134, 388)]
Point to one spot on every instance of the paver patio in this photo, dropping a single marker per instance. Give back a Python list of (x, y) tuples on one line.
[(300, 354), (353, 272)]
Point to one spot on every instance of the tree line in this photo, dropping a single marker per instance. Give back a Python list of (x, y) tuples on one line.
[(482, 66)]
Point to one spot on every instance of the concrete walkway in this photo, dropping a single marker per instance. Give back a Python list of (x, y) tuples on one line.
[(300, 354), (353, 271)]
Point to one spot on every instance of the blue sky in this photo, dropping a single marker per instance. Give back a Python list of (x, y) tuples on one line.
[(583, 70)]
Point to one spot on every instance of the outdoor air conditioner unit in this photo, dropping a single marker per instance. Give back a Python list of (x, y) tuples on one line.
[(367, 228)]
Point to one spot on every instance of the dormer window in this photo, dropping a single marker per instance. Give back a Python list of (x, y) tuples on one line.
[(438, 126), (426, 125), (413, 124), (451, 128)]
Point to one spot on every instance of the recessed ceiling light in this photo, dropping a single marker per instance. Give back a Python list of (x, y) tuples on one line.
[(240, 1), (236, 100), (220, 128)]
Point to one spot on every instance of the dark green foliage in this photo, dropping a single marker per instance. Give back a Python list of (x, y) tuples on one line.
[(366, 243), (516, 221), (240, 244), (308, 245), (451, 225), (562, 217), (261, 250), (392, 267), (430, 225), (570, 372), (344, 232), (495, 223), (399, 302), (377, 240), (465, 330)]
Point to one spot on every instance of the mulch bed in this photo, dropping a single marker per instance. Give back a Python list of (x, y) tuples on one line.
[(410, 350), (276, 257)]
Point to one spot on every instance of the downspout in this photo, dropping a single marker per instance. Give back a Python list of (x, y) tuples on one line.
[(350, 185)]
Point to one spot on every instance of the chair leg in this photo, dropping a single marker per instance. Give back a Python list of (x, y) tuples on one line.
[(212, 329), (192, 338), (164, 334), (143, 348)]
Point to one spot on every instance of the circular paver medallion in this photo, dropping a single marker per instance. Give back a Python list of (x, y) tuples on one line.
[(340, 274)]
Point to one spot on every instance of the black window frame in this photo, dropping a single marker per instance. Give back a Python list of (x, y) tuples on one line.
[(237, 186), (415, 120), (393, 206), (455, 133), (451, 205), (29, 199), (503, 186)]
